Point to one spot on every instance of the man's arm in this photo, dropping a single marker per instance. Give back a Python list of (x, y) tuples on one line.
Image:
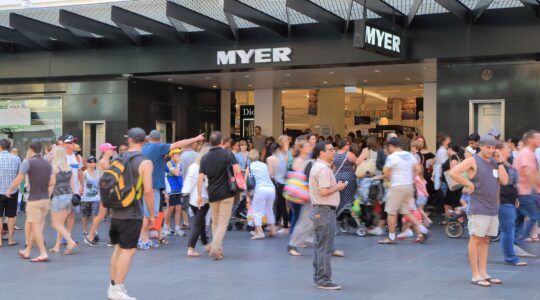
[(327, 191), (200, 181), (387, 173), (184, 143), (503, 175), (145, 170), (14, 184), (464, 166)]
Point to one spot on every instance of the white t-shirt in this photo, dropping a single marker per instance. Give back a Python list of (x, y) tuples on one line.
[(402, 165), (75, 167)]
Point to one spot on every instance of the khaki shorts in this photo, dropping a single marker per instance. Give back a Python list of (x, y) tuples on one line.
[(481, 225), (400, 199), (37, 210)]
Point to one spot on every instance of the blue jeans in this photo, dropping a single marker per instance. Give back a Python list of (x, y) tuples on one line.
[(324, 224), (528, 208), (295, 215), (507, 219)]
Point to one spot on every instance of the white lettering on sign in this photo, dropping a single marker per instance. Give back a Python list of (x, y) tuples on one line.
[(383, 39), (263, 55)]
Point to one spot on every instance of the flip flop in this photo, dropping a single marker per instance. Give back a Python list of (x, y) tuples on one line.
[(493, 280), (39, 259), (21, 255), (338, 253), (481, 282), (13, 244)]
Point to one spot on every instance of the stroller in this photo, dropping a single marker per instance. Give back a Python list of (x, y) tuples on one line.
[(239, 218), (361, 214)]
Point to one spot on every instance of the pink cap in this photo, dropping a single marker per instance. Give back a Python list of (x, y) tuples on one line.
[(106, 146)]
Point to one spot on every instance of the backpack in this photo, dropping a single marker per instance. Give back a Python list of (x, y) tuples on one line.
[(117, 187)]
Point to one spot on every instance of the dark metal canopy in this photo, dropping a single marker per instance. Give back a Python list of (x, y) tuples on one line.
[(146, 22)]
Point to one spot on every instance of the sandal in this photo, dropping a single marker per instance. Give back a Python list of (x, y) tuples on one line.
[(338, 253), (531, 240), (37, 259), (13, 244), (192, 253), (163, 242), (481, 282), (70, 251), (54, 250), (420, 239), (493, 280), (21, 255), (293, 251)]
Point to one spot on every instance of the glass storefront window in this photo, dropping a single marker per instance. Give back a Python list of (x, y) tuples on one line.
[(45, 120)]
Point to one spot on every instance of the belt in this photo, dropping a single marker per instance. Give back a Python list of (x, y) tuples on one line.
[(325, 206)]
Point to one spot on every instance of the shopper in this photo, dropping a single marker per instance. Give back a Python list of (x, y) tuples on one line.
[(438, 184), (9, 167), (39, 175), (107, 152), (277, 165), (399, 169), (507, 209), (474, 141), (303, 229), (174, 178), (63, 185), (528, 184), (259, 140), (126, 223), (344, 163), (90, 198), (75, 161), (263, 196), (485, 173), (190, 187), (242, 156), (155, 151), (214, 165), (404, 141), (324, 193), (451, 201)]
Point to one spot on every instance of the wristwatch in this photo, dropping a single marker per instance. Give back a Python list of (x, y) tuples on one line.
[(500, 163)]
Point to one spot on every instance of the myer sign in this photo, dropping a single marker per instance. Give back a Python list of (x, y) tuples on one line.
[(258, 56), (377, 39)]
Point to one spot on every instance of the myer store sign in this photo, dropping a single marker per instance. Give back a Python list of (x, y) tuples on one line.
[(377, 39), (257, 56)]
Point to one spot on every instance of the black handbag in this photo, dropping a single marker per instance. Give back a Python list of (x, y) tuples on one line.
[(75, 200), (233, 185), (250, 183)]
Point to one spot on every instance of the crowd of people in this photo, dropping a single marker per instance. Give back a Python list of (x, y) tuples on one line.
[(306, 187)]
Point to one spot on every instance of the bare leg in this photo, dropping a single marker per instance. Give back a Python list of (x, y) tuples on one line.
[(37, 233), (58, 220), (177, 214), (85, 224), (120, 264), (144, 231), (167, 216), (96, 221), (185, 216), (29, 238), (474, 243), (392, 220), (11, 229), (70, 221), (483, 251)]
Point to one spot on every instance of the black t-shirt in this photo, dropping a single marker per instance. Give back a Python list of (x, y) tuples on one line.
[(446, 165), (214, 165), (509, 192)]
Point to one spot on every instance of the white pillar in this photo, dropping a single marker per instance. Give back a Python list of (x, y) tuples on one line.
[(268, 111), (225, 127), (430, 115)]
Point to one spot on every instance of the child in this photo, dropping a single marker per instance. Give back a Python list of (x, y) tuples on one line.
[(415, 151), (174, 178), (406, 231), (90, 198), (421, 193)]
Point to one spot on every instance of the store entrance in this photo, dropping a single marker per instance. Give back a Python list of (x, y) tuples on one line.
[(93, 136)]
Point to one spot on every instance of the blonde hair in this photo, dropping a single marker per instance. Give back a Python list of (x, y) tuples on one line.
[(253, 155), (243, 143), (204, 149), (281, 139), (416, 145), (59, 159)]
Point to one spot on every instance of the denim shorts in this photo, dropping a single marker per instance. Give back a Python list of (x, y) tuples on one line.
[(421, 200), (157, 198), (61, 202)]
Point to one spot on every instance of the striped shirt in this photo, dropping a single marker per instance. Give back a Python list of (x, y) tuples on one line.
[(322, 176), (9, 167)]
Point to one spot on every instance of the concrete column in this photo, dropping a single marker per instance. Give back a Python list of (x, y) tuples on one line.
[(430, 115), (268, 111), (225, 126), (331, 109)]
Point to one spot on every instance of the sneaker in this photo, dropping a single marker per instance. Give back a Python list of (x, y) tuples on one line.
[(96, 237), (118, 292), (142, 245), (328, 286), (109, 244), (90, 243), (151, 244), (64, 242), (405, 234), (387, 241), (283, 231), (185, 227), (179, 232), (17, 227), (165, 232), (376, 231)]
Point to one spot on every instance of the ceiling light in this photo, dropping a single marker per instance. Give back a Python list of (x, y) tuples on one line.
[(325, 82), (365, 80), (170, 79), (331, 73), (425, 68), (246, 76), (376, 70), (250, 85), (127, 75), (208, 78), (214, 86), (286, 83), (407, 78), (288, 75), (421, 85), (180, 87)]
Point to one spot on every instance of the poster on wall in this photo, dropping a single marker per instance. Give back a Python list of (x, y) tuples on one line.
[(313, 98), (15, 117), (390, 108), (247, 121), (408, 109)]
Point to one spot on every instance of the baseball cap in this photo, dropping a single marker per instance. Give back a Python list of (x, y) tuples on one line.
[(174, 151), (394, 142), (494, 132), (91, 159), (470, 149), (473, 137), (136, 134), (155, 135), (68, 138), (390, 136), (106, 146), (488, 140)]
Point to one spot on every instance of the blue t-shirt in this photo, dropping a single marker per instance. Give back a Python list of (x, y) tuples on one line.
[(156, 153), (175, 182)]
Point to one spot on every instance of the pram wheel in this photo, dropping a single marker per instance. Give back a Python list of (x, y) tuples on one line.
[(239, 225), (454, 229), (343, 227), (361, 232), (229, 227)]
